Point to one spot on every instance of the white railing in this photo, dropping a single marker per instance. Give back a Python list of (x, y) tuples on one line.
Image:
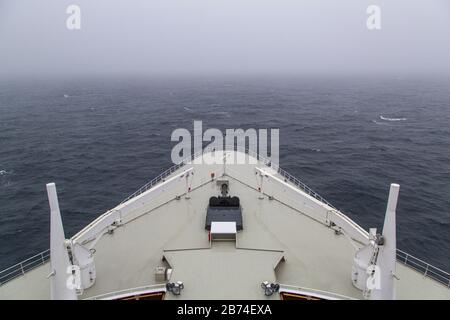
[(130, 292), (285, 288), (423, 267), (286, 176), (160, 178), (22, 267), (290, 178)]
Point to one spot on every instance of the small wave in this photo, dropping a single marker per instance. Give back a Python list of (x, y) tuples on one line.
[(5, 173), (392, 119), (66, 96), (5, 178), (187, 109)]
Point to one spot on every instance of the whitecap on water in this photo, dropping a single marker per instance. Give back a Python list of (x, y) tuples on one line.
[(392, 119), (5, 178)]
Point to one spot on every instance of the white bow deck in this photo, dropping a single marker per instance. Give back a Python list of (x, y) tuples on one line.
[(290, 236)]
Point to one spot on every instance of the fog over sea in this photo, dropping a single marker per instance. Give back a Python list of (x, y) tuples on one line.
[(100, 139)]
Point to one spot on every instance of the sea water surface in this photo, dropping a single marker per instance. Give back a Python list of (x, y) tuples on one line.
[(99, 139)]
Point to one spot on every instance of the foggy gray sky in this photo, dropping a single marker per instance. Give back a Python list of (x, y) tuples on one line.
[(223, 36)]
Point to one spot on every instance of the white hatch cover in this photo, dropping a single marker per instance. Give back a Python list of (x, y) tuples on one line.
[(223, 230)]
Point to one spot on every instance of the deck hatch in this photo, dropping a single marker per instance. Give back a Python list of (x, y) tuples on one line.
[(223, 230)]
